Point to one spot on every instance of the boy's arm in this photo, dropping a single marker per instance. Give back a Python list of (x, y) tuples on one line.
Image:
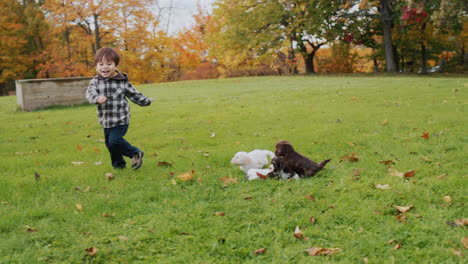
[(137, 97), (92, 94)]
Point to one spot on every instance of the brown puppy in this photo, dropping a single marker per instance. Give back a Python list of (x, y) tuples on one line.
[(291, 161)]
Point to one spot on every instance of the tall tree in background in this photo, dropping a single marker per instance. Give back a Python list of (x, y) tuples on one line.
[(265, 26), (23, 31)]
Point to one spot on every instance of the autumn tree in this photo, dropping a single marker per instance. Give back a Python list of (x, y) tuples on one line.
[(23, 36)]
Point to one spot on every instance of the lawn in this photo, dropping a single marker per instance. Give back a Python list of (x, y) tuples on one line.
[(394, 192)]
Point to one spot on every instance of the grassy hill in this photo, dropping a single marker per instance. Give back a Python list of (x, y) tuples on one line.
[(376, 130)]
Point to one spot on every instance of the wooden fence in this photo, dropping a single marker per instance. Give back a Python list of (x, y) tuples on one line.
[(40, 93)]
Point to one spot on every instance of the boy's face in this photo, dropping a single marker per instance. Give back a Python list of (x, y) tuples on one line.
[(106, 68)]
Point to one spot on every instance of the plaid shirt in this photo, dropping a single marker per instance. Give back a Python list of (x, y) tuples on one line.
[(116, 110)]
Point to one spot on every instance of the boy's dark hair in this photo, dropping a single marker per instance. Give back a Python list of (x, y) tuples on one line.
[(109, 54)]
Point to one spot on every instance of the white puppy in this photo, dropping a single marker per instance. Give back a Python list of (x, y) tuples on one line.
[(256, 159), (252, 173)]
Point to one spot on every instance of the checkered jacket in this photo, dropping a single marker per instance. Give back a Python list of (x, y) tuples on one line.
[(116, 110)]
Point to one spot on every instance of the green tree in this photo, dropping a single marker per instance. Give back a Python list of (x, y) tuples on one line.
[(258, 27)]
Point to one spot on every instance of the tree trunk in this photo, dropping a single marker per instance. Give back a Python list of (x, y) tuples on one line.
[(423, 50), (309, 62), (386, 16), (97, 35)]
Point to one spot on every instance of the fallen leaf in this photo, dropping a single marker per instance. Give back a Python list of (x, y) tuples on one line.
[(310, 197), (457, 252), (174, 182), (37, 176), (78, 162), (213, 134), (352, 158), (312, 220), (401, 218), (109, 176), (219, 213), (351, 144), (403, 209), (87, 189), (227, 179), (164, 164), (32, 230), (387, 162), (447, 199), (91, 251), (426, 159), (382, 186), (123, 238), (79, 148), (315, 251), (403, 175), (298, 233), (248, 198), (397, 247), (409, 174), (261, 176), (384, 122), (97, 150), (79, 207), (188, 176), (425, 135), (260, 251), (464, 241), (356, 172), (461, 222)]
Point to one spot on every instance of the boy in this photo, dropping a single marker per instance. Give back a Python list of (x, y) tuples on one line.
[(108, 90)]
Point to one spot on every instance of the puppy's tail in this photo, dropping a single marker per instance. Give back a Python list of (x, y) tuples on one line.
[(323, 163)]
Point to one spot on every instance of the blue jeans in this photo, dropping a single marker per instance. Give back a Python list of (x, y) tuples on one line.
[(118, 146)]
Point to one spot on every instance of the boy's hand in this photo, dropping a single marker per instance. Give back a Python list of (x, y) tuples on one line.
[(102, 99)]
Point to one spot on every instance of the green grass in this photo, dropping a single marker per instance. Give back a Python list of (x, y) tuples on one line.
[(152, 220)]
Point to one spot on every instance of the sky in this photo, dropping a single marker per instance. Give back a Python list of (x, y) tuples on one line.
[(182, 12)]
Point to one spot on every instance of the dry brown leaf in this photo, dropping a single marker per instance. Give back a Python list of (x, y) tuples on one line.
[(403, 209), (188, 176), (260, 251), (425, 135), (164, 164), (315, 251), (229, 179), (461, 222), (403, 175), (352, 158), (387, 162), (79, 148), (312, 220), (248, 198), (109, 176), (32, 230), (384, 122), (457, 252), (79, 207), (382, 186), (464, 241), (219, 213), (91, 251), (310, 197), (397, 247), (298, 233), (78, 162)]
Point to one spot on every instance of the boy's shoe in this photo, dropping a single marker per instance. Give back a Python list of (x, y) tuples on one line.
[(137, 160)]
